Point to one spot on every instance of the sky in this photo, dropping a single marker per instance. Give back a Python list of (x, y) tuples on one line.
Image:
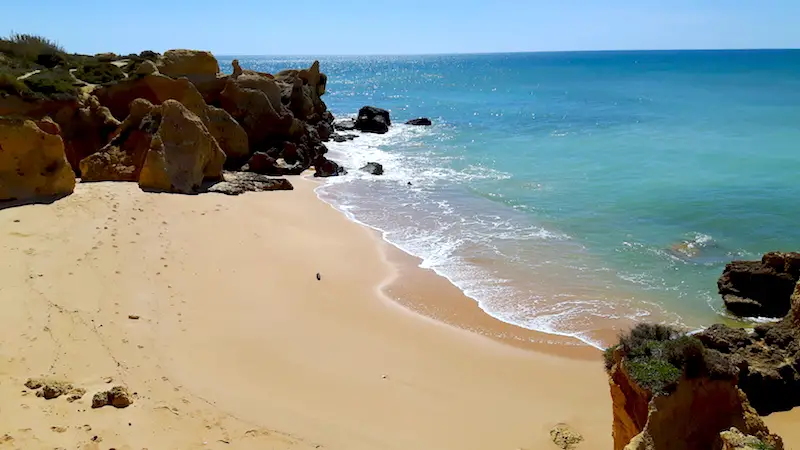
[(355, 27)]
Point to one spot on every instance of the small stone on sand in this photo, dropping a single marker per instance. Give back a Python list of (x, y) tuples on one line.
[(133, 317)]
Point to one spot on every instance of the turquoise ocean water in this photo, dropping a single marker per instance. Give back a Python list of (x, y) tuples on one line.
[(575, 193)]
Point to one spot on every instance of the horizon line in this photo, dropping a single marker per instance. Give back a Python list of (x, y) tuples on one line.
[(519, 52)]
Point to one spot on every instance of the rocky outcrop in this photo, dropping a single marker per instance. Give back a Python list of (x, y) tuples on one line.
[(373, 168), (230, 136), (768, 359), (263, 163), (324, 167), (373, 120), (147, 67), (734, 439), (760, 288), (237, 183), (669, 392), (422, 121), (32, 161), (123, 157), (182, 152), (85, 125), (154, 88), (255, 102), (196, 65), (85, 130)]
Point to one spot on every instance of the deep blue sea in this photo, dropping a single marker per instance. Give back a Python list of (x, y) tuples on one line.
[(575, 193)]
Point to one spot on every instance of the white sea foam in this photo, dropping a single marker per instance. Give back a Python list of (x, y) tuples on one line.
[(489, 251)]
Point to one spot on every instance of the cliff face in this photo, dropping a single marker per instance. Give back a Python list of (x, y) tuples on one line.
[(686, 414), (629, 402)]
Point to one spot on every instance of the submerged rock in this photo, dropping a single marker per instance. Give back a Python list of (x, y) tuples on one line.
[(422, 121), (373, 168), (373, 120)]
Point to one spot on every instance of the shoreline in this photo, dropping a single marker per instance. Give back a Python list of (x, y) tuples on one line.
[(454, 307)]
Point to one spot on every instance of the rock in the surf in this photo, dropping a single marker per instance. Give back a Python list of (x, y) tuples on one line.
[(373, 168), (344, 125), (422, 121), (760, 288), (324, 167), (373, 120)]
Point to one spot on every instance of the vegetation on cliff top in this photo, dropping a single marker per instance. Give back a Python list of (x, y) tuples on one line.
[(99, 72), (657, 356)]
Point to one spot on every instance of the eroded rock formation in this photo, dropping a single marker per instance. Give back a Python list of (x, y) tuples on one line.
[(32, 160), (669, 392), (760, 288)]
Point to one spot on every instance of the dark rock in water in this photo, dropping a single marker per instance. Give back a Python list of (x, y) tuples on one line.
[(240, 182), (324, 167), (345, 125), (760, 288), (343, 137), (373, 120), (373, 168), (262, 163), (423, 121)]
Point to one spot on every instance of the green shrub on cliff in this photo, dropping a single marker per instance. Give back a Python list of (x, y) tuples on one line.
[(56, 82), (657, 356), (10, 85), (99, 72)]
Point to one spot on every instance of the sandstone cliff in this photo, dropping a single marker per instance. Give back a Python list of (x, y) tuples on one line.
[(669, 392)]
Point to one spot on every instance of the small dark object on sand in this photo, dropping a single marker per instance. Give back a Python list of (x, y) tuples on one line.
[(319, 277)]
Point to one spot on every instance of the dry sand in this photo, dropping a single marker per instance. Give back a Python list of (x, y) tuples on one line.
[(238, 345)]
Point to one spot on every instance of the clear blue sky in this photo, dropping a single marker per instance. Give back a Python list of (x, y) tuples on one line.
[(317, 27)]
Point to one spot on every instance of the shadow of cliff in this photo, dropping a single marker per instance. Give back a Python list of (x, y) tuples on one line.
[(5, 204)]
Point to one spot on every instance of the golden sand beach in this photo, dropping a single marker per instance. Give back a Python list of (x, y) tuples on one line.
[(208, 308)]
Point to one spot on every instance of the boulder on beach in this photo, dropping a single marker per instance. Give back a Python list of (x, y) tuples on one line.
[(422, 121), (32, 161), (237, 183), (373, 168), (760, 288), (373, 120), (182, 152), (324, 167), (122, 158), (264, 164)]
